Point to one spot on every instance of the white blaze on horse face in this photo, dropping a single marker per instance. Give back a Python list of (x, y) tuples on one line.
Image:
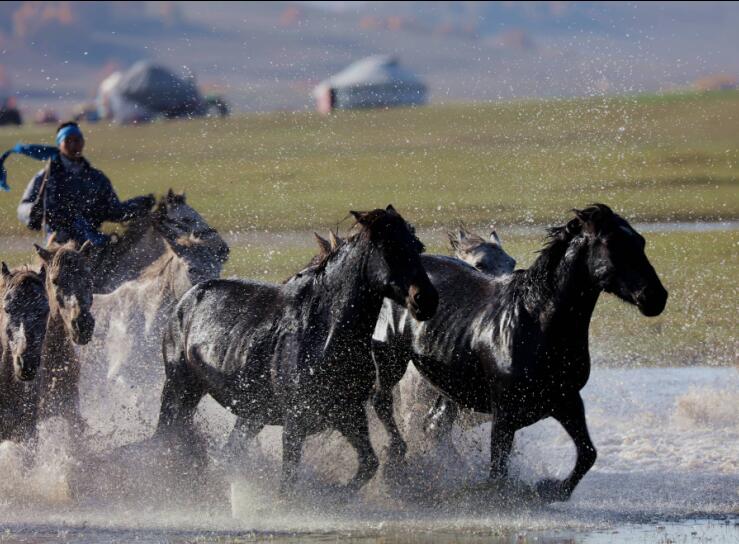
[(19, 342), (72, 306)]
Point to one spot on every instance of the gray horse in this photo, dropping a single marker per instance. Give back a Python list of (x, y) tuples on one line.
[(121, 365)]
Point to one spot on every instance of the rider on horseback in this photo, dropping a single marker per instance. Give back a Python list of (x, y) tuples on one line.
[(71, 198)]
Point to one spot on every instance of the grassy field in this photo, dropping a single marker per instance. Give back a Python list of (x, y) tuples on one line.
[(651, 158)]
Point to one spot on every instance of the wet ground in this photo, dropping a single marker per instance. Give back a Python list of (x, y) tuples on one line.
[(667, 471)]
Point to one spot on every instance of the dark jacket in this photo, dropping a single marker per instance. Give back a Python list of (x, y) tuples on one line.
[(74, 205)]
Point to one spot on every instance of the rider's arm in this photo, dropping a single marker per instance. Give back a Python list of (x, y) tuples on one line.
[(31, 207), (82, 229), (123, 211)]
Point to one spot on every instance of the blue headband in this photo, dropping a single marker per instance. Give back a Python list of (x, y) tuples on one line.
[(69, 130)]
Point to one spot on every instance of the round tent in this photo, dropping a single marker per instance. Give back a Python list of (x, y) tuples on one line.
[(148, 90), (373, 82)]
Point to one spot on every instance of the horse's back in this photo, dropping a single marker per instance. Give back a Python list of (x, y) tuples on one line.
[(222, 321)]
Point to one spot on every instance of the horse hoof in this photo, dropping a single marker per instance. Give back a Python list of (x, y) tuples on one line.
[(552, 491)]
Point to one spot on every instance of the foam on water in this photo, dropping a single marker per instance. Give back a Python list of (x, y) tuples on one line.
[(668, 443)]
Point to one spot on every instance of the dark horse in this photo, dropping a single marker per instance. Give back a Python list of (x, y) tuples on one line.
[(297, 354), (517, 347), (23, 316)]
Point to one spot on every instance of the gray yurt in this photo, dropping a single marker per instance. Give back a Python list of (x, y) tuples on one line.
[(147, 91), (374, 82)]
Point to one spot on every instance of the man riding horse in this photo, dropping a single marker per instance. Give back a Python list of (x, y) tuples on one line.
[(71, 198)]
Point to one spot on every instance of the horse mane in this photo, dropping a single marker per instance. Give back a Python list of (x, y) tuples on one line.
[(19, 275), (538, 278), (364, 231), (159, 267), (58, 250)]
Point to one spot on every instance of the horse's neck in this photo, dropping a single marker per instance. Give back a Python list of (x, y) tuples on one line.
[(562, 291), (347, 288), (175, 276), (142, 253)]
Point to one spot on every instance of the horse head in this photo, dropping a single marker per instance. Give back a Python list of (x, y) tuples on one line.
[(190, 237), (616, 259), (25, 310), (69, 287), (488, 256), (398, 271)]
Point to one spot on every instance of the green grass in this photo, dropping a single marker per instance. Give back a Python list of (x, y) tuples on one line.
[(650, 157), (653, 158)]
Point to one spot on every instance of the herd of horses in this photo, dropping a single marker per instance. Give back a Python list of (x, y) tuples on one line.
[(313, 352)]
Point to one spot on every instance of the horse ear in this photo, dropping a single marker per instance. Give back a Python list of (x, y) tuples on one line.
[(170, 195), (52, 240), (182, 196), (44, 254), (333, 240), (494, 239), (391, 210), (86, 248), (361, 217), (453, 240), (323, 245), (6, 271)]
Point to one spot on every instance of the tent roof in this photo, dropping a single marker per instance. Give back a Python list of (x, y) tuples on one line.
[(374, 70), (156, 87)]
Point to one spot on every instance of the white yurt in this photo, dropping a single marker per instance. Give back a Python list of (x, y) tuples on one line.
[(374, 82)]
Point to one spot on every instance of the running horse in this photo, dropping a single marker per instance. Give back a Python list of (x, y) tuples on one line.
[(23, 316), (295, 354), (517, 347)]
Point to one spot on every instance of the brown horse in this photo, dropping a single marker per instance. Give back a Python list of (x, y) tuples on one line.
[(69, 292), (23, 316)]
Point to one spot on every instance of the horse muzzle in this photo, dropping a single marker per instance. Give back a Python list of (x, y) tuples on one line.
[(82, 329), (422, 303), (652, 301)]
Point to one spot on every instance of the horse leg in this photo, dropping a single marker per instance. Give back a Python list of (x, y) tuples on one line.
[(389, 373), (180, 398), (571, 415), (355, 428), (244, 431), (501, 443), (440, 418), (293, 436)]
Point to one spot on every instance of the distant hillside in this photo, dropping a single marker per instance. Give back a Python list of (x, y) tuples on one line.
[(266, 56)]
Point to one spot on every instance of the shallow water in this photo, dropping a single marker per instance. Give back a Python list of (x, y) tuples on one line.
[(668, 467)]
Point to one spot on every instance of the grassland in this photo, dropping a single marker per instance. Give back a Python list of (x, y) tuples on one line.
[(651, 158)]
